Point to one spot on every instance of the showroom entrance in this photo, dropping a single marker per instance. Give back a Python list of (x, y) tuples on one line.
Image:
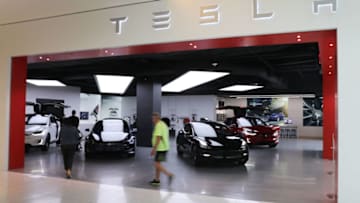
[(239, 57)]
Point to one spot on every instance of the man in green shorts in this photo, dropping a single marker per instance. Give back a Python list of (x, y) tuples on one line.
[(160, 143)]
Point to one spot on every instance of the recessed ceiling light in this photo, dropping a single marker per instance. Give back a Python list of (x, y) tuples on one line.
[(192, 79), (241, 88), (113, 84), (48, 83)]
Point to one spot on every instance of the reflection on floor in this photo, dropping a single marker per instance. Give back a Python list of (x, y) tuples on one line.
[(291, 173), (20, 188)]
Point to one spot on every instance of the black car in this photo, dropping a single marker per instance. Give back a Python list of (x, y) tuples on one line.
[(211, 141), (110, 135)]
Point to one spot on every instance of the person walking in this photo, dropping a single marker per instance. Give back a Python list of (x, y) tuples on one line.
[(74, 119), (69, 140), (160, 143)]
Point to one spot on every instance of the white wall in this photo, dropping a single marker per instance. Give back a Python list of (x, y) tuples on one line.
[(242, 102), (185, 106), (348, 101), (71, 96), (88, 102), (93, 30), (181, 106)]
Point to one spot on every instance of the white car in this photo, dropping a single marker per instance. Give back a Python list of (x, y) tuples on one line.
[(41, 131)]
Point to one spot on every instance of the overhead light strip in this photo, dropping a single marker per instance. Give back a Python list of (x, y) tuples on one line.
[(113, 84), (45, 83), (241, 88), (192, 79)]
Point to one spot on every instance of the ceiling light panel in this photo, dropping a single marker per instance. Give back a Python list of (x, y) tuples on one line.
[(113, 84), (241, 88), (47, 83), (192, 79)]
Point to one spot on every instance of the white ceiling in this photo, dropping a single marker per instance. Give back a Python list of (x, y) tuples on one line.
[(16, 10)]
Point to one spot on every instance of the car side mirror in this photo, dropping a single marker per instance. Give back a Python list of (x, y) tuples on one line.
[(87, 130)]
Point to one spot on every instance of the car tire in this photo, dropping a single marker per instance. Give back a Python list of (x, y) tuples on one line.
[(27, 148), (196, 159), (243, 161), (273, 145), (179, 151), (46, 146), (131, 155)]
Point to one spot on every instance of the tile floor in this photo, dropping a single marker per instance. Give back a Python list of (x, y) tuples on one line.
[(292, 173)]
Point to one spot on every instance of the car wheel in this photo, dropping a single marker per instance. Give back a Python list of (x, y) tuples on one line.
[(243, 160), (131, 155), (46, 146), (27, 148), (196, 159), (179, 151), (272, 145)]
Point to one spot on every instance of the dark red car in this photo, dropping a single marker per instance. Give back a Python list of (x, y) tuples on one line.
[(258, 132)]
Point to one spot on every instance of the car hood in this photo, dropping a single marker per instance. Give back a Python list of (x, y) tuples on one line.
[(226, 142), (33, 128), (264, 129)]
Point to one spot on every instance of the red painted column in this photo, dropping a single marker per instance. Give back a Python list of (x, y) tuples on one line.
[(328, 59), (17, 112)]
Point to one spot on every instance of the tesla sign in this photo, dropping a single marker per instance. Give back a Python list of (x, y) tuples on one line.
[(210, 14)]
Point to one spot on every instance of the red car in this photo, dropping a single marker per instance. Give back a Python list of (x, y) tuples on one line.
[(257, 132)]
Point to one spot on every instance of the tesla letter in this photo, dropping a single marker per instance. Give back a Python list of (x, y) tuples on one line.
[(161, 20), (209, 15), (118, 24), (257, 14), (322, 3)]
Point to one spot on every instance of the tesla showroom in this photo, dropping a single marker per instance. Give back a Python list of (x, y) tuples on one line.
[(250, 101)]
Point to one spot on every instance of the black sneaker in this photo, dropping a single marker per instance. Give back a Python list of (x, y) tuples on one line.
[(154, 182)]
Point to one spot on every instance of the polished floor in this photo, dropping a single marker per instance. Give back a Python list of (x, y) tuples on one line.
[(291, 173), (20, 188)]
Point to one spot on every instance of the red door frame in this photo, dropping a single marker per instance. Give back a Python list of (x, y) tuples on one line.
[(328, 58)]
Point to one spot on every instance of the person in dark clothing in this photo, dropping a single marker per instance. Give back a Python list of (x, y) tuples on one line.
[(74, 119), (69, 139)]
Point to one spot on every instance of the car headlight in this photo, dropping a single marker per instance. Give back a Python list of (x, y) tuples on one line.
[(203, 144), (276, 133), (96, 137), (38, 133), (249, 132)]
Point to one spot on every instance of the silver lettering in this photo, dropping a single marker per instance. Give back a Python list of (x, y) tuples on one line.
[(257, 14), (321, 3), (162, 20), (118, 24), (209, 15)]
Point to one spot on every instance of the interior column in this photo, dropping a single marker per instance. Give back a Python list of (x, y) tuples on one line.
[(148, 100)]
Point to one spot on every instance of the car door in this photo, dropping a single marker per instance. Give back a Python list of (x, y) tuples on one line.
[(53, 129)]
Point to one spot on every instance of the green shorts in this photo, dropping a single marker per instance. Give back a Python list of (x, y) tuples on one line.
[(160, 156)]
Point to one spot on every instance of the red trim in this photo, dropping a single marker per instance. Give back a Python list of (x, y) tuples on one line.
[(17, 112)]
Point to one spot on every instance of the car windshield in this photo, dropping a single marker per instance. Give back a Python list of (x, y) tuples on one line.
[(257, 122), (204, 130), (243, 122), (38, 120), (221, 129)]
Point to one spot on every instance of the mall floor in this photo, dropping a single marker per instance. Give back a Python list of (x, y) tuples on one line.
[(291, 173)]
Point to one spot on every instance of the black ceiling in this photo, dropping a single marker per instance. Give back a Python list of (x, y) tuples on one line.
[(283, 69)]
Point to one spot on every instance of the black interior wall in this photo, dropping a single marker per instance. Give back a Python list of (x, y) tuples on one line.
[(148, 100)]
